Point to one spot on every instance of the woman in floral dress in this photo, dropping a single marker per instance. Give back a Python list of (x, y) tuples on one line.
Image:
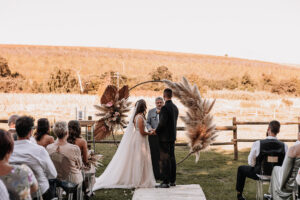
[(18, 179)]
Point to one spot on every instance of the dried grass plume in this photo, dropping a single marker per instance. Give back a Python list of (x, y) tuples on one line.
[(200, 127)]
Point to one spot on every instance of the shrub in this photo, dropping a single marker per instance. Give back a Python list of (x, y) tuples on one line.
[(4, 69), (161, 73), (267, 81), (62, 80), (231, 84), (290, 87), (195, 79), (36, 87), (247, 83)]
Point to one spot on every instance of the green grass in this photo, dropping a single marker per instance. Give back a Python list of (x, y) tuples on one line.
[(215, 172)]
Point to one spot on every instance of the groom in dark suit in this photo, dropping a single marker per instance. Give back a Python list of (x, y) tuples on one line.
[(166, 132)]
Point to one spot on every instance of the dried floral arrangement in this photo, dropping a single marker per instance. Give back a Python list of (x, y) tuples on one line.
[(201, 130), (94, 160), (113, 111)]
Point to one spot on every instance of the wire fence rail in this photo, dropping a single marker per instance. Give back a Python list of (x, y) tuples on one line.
[(89, 133)]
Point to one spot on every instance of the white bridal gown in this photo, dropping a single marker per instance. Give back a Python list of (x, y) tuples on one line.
[(131, 166)]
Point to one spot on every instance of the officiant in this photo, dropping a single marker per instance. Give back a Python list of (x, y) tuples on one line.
[(152, 123)]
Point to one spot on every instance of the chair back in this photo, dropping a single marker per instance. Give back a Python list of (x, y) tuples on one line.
[(62, 164), (268, 163), (272, 153)]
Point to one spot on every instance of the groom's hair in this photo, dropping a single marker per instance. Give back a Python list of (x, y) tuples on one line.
[(168, 93)]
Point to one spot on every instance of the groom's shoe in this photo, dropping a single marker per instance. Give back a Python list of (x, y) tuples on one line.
[(162, 185), (240, 197), (173, 184)]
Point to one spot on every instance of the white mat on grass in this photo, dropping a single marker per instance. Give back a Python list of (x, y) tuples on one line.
[(180, 192)]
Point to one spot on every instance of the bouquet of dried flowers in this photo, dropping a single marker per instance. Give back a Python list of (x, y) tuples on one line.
[(113, 111)]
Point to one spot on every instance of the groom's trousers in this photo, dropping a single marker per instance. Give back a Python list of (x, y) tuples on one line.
[(168, 162)]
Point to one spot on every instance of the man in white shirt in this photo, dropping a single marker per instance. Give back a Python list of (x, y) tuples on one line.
[(254, 159), (33, 155), (3, 191)]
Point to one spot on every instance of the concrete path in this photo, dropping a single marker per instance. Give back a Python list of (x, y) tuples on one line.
[(180, 192)]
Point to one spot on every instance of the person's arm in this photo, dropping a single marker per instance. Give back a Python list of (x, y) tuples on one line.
[(49, 167), (141, 126), (85, 154), (51, 140), (253, 154), (163, 117), (78, 158), (286, 148), (287, 167), (149, 127)]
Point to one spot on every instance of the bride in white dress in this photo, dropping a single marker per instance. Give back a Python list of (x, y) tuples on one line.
[(131, 166)]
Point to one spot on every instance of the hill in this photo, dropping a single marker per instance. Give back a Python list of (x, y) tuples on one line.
[(36, 63)]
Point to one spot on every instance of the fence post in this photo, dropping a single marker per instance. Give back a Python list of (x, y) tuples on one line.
[(235, 145)]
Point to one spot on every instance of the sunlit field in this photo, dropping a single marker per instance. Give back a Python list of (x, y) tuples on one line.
[(63, 107)]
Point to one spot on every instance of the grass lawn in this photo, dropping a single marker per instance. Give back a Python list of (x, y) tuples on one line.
[(215, 172)]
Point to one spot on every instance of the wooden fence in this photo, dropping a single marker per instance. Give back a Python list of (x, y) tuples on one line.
[(89, 129)]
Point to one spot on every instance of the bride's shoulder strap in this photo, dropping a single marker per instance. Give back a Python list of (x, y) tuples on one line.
[(137, 118)]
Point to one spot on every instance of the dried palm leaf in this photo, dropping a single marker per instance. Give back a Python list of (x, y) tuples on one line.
[(109, 94), (113, 109)]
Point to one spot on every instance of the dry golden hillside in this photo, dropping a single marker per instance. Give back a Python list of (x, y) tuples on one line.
[(37, 62)]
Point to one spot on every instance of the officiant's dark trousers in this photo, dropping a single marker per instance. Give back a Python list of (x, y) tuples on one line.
[(168, 162), (154, 148)]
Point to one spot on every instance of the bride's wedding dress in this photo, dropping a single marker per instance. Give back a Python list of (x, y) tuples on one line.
[(131, 166)]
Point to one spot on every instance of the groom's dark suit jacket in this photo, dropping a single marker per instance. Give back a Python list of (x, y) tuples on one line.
[(166, 129)]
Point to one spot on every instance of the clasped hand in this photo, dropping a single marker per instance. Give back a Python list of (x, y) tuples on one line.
[(152, 132)]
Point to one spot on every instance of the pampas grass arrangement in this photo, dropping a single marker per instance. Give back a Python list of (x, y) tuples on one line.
[(201, 130)]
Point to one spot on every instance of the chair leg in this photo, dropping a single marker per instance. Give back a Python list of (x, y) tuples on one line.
[(259, 190), (59, 192), (90, 185), (79, 195), (70, 196)]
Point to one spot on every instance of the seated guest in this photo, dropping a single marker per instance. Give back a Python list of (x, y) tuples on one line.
[(75, 138), (72, 152), (3, 191), (33, 155), (42, 136), (283, 178), (12, 126), (255, 157), (18, 179), (298, 177), (298, 139)]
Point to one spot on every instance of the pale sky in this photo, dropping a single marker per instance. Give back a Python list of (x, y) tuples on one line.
[(256, 29)]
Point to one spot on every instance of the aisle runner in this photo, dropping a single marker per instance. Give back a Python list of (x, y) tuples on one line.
[(180, 192)]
